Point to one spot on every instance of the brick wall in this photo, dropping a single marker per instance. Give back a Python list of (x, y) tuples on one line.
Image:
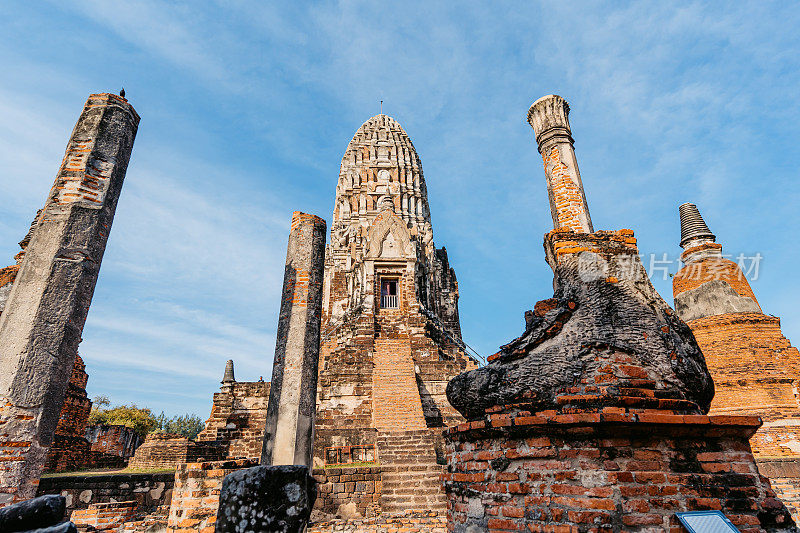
[(411, 522), (104, 516), (343, 491), (75, 413), (605, 472), (163, 450), (115, 440), (147, 490), (195, 498)]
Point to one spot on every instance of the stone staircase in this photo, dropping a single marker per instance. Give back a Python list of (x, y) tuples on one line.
[(410, 476)]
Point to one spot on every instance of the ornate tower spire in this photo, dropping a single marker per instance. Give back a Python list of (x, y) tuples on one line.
[(549, 118), (380, 170), (391, 335)]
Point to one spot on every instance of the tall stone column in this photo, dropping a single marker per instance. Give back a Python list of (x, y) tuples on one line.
[(293, 393), (44, 316), (549, 118), (277, 497)]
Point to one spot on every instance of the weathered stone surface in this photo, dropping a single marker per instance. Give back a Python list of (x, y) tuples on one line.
[(292, 397), (603, 304), (44, 315), (70, 449), (715, 297), (39, 512), (266, 499)]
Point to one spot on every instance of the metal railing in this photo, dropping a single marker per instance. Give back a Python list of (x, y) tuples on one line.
[(389, 301)]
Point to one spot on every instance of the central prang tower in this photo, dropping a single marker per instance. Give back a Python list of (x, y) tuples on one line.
[(391, 337)]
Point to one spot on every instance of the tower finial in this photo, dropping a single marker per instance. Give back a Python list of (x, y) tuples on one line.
[(381, 107), (228, 377), (693, 227)]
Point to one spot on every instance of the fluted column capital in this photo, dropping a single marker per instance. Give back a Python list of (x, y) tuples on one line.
[(549, 118)]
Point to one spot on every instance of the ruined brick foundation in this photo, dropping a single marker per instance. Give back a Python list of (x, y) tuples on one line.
[(594, 419), (610, 471)]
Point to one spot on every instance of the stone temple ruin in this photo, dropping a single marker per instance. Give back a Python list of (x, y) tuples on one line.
[(601, 416)]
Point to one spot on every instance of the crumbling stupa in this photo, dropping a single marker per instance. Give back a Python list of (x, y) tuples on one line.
[(595, 418)]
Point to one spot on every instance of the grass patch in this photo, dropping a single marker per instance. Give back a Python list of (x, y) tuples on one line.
[(109, 471)]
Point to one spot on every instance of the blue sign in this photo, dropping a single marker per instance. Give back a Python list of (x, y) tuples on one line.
[(706, 522)]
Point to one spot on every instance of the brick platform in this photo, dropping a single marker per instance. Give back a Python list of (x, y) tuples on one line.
[(104, 516), (610, 471)]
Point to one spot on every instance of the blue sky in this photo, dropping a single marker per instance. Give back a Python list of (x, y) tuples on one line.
[(247, 108)]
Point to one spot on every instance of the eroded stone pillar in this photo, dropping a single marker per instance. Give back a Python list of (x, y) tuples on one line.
[(292, 397), (277, 497), (43, 319), (549, 118)]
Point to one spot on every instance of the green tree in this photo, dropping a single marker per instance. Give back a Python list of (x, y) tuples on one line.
[(188, 425), (141, 420)]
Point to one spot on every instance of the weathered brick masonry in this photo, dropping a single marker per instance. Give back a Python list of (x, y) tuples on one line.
[(358, 488), (114, 440), (104, 516), (409, 522), (384, 362), (755, 368), (165, 450), (391, 332), (594, 419), (238, 415), (195, 497), (234, 429)]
